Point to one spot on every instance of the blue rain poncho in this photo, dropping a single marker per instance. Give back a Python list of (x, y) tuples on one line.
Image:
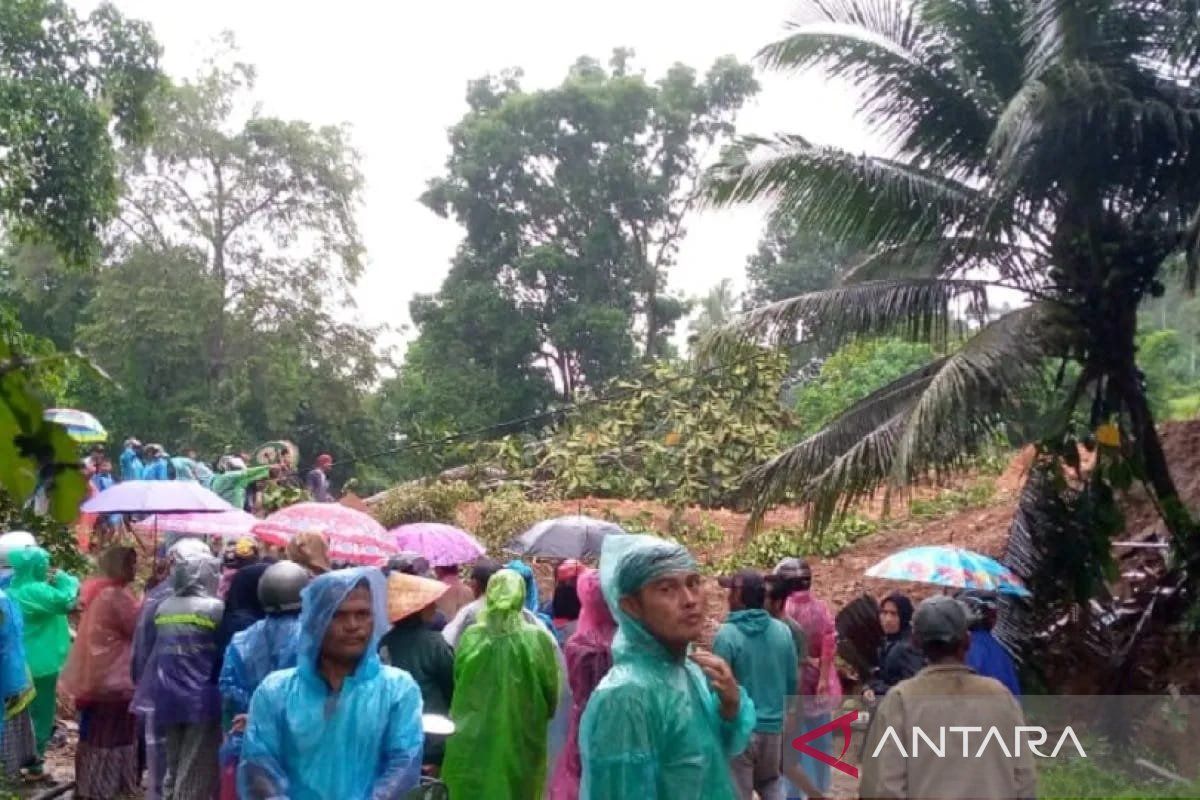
[(652, 729), (14, 677), (505, 691), (989, 658), (304, 743), (265, 647), (531, 593)]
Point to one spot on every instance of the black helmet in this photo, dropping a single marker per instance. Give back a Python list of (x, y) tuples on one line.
[(982, 607), (409, 563), (280, 585)]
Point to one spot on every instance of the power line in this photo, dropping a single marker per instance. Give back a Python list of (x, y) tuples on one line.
[(599, 400)]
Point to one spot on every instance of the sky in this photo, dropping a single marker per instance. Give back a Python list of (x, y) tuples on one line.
[(396, 73)]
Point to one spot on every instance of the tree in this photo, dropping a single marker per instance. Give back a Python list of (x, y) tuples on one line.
[(792, 259), (1054, 149), (269, 202), (574, 200), (70, 89), (716, 309)]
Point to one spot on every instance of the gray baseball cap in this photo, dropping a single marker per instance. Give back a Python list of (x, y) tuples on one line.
[(940, 619)]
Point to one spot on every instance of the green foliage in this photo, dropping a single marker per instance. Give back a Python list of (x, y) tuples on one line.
[(1076, 778), (503, 516), (68, 84), (57, 537), (281, 495), (423, 502), (792, 259), (951, 501), (767, 548), (574, 200), (682, 437), (1169, 350), (852, 373)]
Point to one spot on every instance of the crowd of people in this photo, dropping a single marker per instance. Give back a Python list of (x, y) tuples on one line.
[(278, 675)]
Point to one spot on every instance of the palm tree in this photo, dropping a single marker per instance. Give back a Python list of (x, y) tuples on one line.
[(716, 309), (1047, 146)]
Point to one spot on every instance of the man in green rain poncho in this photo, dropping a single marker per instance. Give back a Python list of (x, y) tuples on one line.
[(505, 690), (667, 718)]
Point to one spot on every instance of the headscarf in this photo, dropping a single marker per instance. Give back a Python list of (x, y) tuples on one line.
[(242, 608), (595, 618), (904, 608), (627, 563), (310, 551), (531, 590)]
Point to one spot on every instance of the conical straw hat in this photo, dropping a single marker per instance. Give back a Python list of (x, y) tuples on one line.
[(408, 594)]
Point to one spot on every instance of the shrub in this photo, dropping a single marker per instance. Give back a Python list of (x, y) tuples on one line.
[(505, 514), (415, 502), (769, 547)]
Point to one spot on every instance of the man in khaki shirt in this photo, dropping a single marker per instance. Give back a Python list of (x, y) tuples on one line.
[(947, 732)]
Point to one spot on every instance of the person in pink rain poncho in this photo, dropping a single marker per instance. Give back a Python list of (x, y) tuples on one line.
[(589, 657), (820, 689)]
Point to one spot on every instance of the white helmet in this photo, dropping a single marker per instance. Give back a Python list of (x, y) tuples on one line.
[(14, 540)]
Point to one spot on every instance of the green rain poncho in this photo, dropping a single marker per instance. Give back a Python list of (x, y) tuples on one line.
[(505, 689), (44, 608), (652, 729)]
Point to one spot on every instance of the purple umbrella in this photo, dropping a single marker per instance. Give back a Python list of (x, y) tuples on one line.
[(155, 497), (442, 545)]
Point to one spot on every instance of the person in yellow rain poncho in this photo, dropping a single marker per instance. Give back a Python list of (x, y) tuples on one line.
[(668, 717), (505, 690)]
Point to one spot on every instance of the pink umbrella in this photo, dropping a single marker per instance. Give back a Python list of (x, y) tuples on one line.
[(351, 535), (232, 524), (442, 545)]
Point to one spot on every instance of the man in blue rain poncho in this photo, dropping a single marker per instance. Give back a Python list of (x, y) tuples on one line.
[(339, 724), (667, 718)]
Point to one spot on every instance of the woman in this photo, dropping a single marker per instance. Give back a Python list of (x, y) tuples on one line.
[(242, 608), (898, 657), (45, 597), (97, 676), (589, 657)]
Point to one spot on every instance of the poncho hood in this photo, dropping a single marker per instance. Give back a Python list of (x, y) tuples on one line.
[(321, 600), (195, 574), (29, 565), (750, 621), (627, 563)]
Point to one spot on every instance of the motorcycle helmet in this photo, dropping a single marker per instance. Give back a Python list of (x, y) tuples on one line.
[(280, 585), (14, 540)]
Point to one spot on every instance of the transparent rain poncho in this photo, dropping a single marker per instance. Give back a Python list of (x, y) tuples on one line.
[(652, 728), (506, 680), (304, 742)]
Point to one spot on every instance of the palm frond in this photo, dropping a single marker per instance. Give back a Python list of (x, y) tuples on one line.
[(919, 309), (852, 198), (964, 402), (949, 257)]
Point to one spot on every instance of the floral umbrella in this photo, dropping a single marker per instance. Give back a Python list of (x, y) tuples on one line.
[(351, 535), (442, 545), (947, 565)]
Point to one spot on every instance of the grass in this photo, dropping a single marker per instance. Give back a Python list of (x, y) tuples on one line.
[(1083, 779)]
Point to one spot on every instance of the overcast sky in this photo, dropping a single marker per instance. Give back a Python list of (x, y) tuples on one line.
[(397, 73)]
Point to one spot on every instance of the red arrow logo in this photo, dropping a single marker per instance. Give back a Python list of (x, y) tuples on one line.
[(800, 743)]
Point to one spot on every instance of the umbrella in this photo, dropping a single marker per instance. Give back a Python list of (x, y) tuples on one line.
[(156, 497), (947, 565), (576, 537), (442, 545), (81, 426), (351, 535), (232, 524)]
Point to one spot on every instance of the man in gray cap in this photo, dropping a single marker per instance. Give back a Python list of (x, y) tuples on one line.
[(947, 702)]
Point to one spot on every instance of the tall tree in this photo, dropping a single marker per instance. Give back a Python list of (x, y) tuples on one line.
[(575, 199), (270, 203), (1052, 148), (70, 89), (793, 259), (717, 308)]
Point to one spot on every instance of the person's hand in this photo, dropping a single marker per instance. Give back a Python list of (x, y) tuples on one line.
[(720, 677), (239, 724)]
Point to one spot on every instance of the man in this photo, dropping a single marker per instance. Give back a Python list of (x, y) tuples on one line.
[(317, 481), (187, 706), (506, 689), (458, 593), (144, 671), (202, 472), (158, 464), (339, 724), (44, 597), (419, 650), (231, 486), (986, 655), (131, 460), (667, 718), (761, 654), (95, 456), (946, 696)]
